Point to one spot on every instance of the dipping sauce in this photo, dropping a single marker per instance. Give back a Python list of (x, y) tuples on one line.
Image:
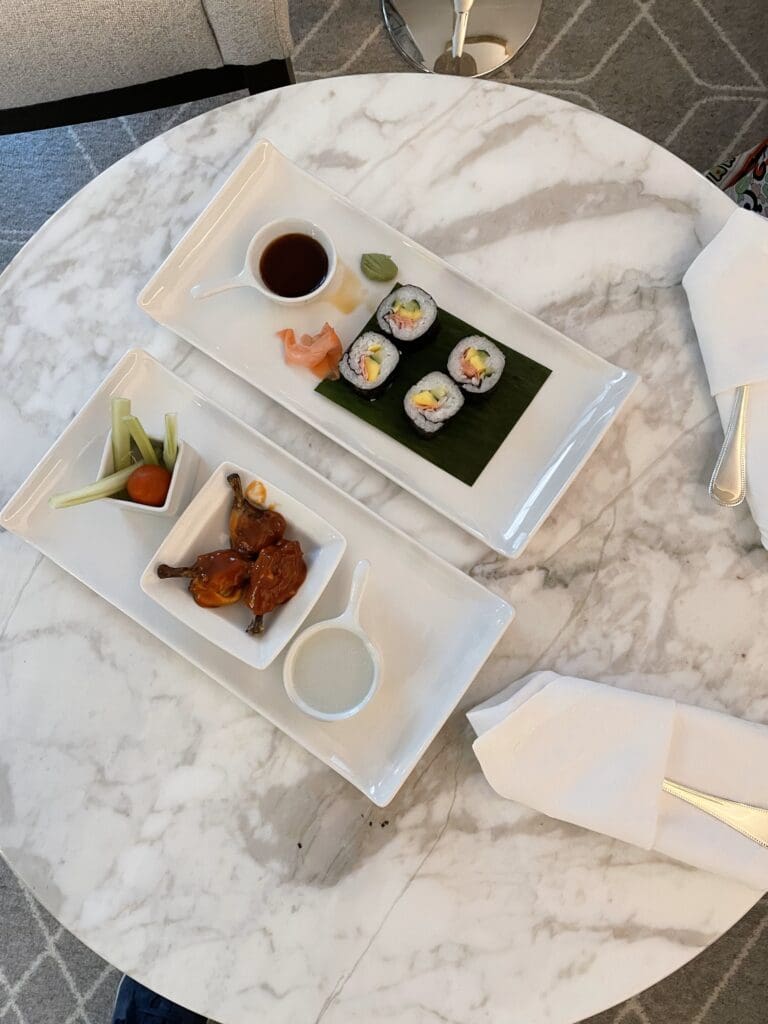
[(333, 671), (293, 265)]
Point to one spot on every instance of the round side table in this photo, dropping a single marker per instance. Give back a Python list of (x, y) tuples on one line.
[(174, 830)]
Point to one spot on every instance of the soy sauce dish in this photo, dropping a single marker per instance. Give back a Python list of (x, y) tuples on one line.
[(292, 260)]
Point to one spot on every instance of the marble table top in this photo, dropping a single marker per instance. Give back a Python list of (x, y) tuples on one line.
[(192, 845)]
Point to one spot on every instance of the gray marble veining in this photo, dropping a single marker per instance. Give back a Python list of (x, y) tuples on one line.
[(158, 817)]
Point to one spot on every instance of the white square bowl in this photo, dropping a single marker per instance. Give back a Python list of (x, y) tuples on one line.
[(182, 481), (204, 527)]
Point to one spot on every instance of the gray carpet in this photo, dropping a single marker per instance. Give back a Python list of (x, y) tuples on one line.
[(690, 74)]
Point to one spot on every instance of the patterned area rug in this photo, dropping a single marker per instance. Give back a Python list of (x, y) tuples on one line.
[(690, 74)]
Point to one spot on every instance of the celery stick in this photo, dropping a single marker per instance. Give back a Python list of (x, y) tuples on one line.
[(103, 488), (171, 443), (143, 443), (121, 439)]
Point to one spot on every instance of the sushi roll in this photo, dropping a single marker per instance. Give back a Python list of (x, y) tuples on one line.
[(476, 364), (369, 363), (408, 315), (431, 403)]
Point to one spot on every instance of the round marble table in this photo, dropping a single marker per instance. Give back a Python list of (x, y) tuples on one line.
[(177, 833)]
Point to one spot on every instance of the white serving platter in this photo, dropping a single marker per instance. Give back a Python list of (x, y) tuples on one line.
[(539, 457), (431, 652)]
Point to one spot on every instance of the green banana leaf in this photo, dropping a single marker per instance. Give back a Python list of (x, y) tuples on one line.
[(466, 445)]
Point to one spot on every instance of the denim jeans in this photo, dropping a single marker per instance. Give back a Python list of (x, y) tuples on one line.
[(138, 1005)]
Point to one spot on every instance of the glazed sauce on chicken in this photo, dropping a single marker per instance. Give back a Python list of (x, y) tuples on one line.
[(293, 265)]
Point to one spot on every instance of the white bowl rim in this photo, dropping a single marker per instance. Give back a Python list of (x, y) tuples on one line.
[(334, 537), (289, 225), (342, 622), (138, 505)]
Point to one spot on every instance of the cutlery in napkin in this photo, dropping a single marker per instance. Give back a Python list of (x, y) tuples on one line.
[(596, 755), (727, 288)]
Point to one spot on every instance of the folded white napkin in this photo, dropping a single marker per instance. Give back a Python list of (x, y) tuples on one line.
[(596, 756), (727, 288)]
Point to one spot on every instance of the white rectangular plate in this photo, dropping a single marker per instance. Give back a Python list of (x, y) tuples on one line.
[(429, 659), (540, 456)]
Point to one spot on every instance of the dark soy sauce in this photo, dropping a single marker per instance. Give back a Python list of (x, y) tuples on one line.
[(293, 265)]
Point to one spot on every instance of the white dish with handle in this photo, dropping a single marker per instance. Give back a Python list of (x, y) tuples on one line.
[(333, 669)]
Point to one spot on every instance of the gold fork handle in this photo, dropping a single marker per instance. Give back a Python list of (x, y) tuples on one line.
[(728, 485), (749, 820)]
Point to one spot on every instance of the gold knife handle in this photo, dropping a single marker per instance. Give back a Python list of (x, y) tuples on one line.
[(749, 820)]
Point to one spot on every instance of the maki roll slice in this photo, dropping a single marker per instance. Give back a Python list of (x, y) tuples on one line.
[(432, 402), (476, 364), (408, 315), (369, 363)]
